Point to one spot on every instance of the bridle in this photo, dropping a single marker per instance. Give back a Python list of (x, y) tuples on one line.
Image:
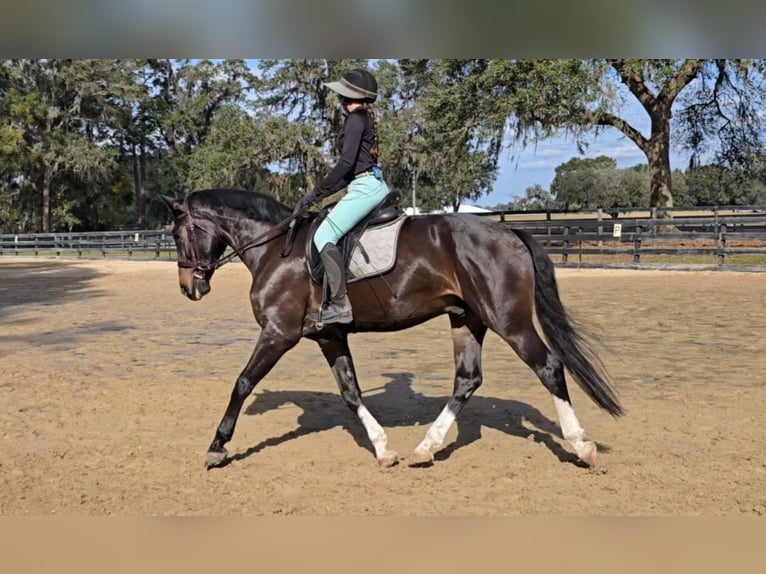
[(200, 268)]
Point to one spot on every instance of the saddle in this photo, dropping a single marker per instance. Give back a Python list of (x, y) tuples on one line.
[(385, 214)]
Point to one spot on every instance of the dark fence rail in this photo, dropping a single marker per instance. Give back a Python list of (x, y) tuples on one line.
[(723, 238), (127, 244), (720, 237)]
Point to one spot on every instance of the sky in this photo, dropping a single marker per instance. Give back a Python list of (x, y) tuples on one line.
[(522, 168)]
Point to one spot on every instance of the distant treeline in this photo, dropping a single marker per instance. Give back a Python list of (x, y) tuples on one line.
[(92, 144)]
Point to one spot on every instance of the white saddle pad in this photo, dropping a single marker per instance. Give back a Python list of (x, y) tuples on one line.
[(379, 243)]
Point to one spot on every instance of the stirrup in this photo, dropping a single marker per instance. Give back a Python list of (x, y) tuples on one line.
[(335, 312)]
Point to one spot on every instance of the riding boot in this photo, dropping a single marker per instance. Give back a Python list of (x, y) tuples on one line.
[(339, 308)]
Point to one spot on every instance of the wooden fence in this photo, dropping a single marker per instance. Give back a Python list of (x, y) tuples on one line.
[(722, 238), (126, 244), (725, 238)]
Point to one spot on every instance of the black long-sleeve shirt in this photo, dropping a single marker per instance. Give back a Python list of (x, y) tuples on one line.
[(354, 144)]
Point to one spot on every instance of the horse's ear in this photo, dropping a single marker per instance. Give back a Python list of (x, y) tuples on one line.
[(175, 205)]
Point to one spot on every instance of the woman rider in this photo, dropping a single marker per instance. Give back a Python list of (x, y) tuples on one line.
[(357, 168)]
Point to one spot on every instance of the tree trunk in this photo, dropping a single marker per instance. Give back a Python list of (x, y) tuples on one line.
[(48, 172), (142, 188), (658, 156), (139, 172), (136, 180), (659, 178), (46, 213)]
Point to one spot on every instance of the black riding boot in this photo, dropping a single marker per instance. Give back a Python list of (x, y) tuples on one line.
[(339, 308)]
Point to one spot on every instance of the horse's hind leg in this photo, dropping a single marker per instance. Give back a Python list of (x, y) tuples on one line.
[(338, 356), (467, 337), (549, 369)]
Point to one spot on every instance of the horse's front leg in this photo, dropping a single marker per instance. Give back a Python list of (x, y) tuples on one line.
[(268, 350), (338, 356)]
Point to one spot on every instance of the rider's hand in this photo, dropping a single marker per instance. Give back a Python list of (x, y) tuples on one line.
[(306, 201), (300, 207)]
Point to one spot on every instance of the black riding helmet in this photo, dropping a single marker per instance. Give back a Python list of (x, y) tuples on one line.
[(356, 84)]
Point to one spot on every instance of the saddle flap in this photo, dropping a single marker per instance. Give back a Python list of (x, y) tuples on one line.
[(387, 212)]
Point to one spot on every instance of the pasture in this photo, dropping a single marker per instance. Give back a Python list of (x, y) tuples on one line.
[(112, 384)]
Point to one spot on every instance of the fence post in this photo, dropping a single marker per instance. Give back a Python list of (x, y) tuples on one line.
[(722, 246), (637, 247), (600, 216), (548, 239), (654, 220), (565, 246)]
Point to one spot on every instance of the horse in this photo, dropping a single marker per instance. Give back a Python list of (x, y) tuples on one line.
[(481, 273)]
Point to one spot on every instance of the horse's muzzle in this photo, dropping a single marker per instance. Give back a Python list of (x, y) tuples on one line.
[(193, 286)]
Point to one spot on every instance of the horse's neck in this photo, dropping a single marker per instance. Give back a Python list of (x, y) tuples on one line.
[(239, 231)]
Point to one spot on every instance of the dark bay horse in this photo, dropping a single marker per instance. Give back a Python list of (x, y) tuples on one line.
[(479, 272)]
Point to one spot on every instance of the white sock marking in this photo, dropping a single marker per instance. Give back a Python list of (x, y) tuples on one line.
[(437, 432), (570, 427), (374, 431)]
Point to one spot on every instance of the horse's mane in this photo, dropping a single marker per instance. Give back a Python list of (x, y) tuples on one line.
[(255, 205)]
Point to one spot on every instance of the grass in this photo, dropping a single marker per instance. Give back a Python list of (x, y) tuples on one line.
[(737, 259)]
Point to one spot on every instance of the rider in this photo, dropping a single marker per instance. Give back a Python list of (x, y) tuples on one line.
[(357, 168)]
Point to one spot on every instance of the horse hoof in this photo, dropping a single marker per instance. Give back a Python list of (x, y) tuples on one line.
[(588, 453), (422, 458), (216, 458), (388, 459)]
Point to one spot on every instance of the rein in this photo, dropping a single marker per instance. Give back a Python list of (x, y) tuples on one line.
[(262, 239), (195, 262)]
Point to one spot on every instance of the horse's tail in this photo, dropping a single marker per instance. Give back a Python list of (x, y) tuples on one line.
[(559, 330)]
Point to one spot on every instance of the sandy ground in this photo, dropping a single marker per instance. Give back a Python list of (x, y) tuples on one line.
[(112, 384)]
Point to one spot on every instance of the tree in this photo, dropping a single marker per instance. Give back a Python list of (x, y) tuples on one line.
[(535, 199), (534, 99), (58, 114), (452, 154), (426, 142), (303, 120), (581, 183), (239, 150), (139, 140), (185, 99), (726, 102), (719, 185)]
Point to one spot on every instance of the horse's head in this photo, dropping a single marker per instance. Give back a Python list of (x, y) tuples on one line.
[(198, 245)]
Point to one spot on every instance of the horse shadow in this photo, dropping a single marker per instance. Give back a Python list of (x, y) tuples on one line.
[(43, 283), (398, 405)]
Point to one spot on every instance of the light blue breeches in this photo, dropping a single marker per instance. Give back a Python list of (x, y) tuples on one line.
[(362, 196)]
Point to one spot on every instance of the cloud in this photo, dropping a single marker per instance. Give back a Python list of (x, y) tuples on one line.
[(624, 151)]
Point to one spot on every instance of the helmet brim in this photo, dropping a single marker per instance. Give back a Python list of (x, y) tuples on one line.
[(349, 92)]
